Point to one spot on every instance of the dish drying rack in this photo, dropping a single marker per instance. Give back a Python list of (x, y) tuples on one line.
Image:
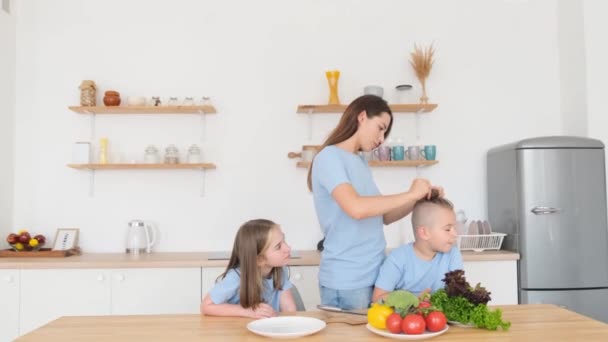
[(478, 237), (480, 243)]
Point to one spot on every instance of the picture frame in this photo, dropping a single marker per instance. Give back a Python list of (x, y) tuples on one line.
[(65, 239)]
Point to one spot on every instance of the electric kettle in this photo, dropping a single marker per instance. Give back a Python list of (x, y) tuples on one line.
[(141, 237)]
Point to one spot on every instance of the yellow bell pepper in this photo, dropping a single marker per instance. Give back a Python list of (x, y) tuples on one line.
[(377, 315)]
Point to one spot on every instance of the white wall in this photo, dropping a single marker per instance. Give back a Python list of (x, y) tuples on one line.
[(495, 79), (597, 68), (596, 49), (572, 67), (7, 122)]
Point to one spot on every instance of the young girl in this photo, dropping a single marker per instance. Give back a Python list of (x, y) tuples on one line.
[(350, 208), (255, 283)]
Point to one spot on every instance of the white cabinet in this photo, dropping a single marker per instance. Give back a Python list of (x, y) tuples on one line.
[(498, 277), (51, 293), (9, 304), (156, 291), (306, 279)]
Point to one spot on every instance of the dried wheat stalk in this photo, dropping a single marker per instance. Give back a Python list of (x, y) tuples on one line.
[(422, 61)]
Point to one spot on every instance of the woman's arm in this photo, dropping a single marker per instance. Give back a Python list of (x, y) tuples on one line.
[(360, 207), (209, 308), (286, 301)]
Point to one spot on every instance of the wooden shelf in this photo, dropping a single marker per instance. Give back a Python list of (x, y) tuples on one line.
[(392, 163), (144, 110), (396, 108), (142, 166)]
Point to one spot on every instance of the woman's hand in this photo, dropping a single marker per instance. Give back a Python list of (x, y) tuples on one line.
[(262, 311), (420, 188)]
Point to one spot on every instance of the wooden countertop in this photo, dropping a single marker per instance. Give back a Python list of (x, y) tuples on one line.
[(541, 322), (184, 260)]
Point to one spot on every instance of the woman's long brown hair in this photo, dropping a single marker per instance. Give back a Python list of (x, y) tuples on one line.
[(251, 241), (349, 123)]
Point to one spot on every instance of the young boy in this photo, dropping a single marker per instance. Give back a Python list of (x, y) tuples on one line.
[(419, 266)]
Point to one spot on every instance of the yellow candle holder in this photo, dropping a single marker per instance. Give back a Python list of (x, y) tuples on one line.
[(332, 80)]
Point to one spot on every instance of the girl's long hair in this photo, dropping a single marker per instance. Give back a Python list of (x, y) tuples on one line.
[(349, 123), (251, 241)]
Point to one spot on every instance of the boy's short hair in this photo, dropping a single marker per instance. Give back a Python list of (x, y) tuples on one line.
[(422, 212)]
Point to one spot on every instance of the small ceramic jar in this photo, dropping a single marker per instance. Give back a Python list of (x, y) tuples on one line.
[(111, 98)]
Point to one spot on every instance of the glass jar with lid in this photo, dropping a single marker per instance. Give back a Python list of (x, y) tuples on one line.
[(173, 101), (171, 155), (151, 156), (188, 101), (194, 155)]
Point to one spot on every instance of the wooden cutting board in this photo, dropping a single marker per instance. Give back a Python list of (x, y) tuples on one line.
[(42, 253)]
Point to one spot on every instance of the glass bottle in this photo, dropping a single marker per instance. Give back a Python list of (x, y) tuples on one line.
[(332, 79), (171, 155), (103, 151)]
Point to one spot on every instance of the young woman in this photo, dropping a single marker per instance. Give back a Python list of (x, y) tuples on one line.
[(350, 209), (255, 283)]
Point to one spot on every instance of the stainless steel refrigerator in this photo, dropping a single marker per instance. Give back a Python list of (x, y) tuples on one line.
[(549, 195)]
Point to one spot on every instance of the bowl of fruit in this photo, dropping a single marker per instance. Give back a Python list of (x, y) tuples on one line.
[(23, 241)]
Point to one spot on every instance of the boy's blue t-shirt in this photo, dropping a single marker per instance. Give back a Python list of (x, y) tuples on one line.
[(353, 249), (403, 269), (226, 291)]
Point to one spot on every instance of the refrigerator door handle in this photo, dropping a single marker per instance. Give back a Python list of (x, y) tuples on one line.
[(545, 210)]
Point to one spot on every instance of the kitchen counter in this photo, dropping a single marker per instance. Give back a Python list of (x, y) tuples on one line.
[(539, 322), (183, 260)]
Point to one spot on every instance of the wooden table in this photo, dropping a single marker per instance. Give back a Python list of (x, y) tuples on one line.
[(528, 323)]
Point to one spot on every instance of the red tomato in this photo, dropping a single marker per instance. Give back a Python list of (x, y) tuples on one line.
[(393, 323), (435, 321), (413, 324), (424, 305)]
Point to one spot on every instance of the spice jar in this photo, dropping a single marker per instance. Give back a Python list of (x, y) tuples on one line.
[(111, 98), (194, 155), (171, 155), (88, 93), (151, 156)]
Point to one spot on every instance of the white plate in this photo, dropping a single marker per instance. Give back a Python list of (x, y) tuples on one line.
[(423, 336), (286, 326), (458, 324)]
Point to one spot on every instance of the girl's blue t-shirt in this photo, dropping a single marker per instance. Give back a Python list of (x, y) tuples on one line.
[(353, 249), (226, 291)]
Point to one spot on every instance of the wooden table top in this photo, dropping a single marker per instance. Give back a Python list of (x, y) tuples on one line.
[(540, 322)]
